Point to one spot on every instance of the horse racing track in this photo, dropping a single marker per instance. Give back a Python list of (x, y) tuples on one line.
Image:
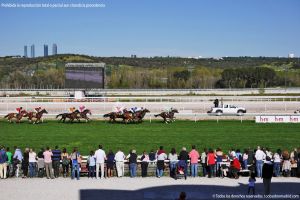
[(147, 136)]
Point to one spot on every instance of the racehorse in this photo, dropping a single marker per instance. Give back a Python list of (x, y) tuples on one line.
[(139, 115), (38, 116), (84, 113), (126, 116), (168, 115), (18, 116), (71, 116)]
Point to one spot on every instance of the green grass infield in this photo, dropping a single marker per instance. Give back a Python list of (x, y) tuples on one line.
[(147, 136)]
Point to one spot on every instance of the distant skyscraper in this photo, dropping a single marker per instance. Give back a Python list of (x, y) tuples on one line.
[(54, 49), (45, 50), (32, 51), (25, 51)]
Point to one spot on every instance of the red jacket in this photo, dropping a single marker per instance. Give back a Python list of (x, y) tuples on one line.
[(236, 164)]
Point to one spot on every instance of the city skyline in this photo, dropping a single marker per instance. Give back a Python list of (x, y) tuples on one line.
[(205, 28)]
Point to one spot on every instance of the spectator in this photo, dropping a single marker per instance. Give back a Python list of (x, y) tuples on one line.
[(119, 158), (17, 160), (211, 163), (194, 156), (91, 161), (9, 162), (204, 162), (41, 163), (56, 161), (286, 166), (219, 155), (277, 162), (260, 156), (160, 156), (251, 184), (294, 159), (245, 159), (110, 163), (269, 152), (152, 155), (144, 164), (48, 163), (75, 159), (183, 158), (298, 163), (65, 162), (32, 163), (173, 159), (182, 196), (267, 173), (25, 163), (235, 168), (132, 163), (3, 159), (100, 159)]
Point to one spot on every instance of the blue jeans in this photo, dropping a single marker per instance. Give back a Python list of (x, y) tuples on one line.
[(245, 164), (132, 167), (160, 172), (92, 171), (259, 166), (172, 168), (32, 166), (277, 168), (194, 168), (75, 167), (204, 167)]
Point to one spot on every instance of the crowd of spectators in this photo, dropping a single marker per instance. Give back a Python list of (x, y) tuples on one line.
[(54, 163)]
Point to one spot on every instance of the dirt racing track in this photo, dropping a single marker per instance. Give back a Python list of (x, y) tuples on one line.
[(190, 107)]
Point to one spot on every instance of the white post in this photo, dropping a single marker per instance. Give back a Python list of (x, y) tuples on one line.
[(195, 118), (150, 118)]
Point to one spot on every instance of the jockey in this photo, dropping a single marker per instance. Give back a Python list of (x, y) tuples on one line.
[(119, 109), (19, 110), (38, 109), (168, 109), (81, 108), (72, 109), (133, 110)]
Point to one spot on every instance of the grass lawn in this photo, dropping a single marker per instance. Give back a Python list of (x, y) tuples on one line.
[(146, 136)]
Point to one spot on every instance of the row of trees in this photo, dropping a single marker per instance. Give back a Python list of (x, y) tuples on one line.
[(157, 72)]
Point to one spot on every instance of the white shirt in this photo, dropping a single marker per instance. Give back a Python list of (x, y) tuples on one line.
[(120, 156), (162, 156), (277, 158), (260, 155), (32, 156), (100, 156)]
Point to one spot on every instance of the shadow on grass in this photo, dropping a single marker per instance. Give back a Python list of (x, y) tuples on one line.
[(194, 192)]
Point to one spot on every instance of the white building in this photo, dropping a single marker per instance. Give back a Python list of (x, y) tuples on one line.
[(291, 55)]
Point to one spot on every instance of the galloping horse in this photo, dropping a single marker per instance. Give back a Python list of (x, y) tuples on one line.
[(37, 115), (18, 116), (71, 116), (139, 115), (126, 116), (84, 113), (168, 115)]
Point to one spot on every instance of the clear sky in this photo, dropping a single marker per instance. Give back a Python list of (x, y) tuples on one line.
[(208, 28)]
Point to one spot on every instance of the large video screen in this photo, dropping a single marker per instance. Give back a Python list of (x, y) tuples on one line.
[(84, 76)]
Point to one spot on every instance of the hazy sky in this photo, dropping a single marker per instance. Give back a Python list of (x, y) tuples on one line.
[(155, 27)]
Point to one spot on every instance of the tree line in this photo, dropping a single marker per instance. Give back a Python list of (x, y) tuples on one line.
[(156, 72)]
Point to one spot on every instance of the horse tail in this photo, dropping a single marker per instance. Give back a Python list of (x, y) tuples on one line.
[(156, 115), (58, 115), (106, 115), (6, 116)]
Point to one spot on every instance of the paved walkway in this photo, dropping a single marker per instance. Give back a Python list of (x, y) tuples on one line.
[(141, 188)]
